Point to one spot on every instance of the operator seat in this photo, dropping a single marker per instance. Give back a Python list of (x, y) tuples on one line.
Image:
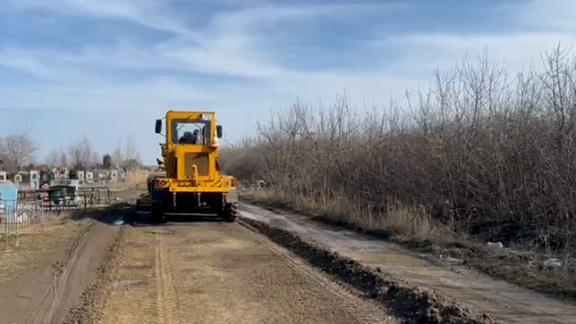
[(187, 138)]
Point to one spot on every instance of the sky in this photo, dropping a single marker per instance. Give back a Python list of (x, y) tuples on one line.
[(106, 69)]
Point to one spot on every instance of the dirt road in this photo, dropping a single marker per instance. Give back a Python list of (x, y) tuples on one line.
[(213, 272), (208, 271), (67, 256), (502, 301)]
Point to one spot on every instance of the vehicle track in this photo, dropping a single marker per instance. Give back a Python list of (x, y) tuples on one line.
[(343, 293), (73, 275), (213, 272), (52, 298), (164, 284)]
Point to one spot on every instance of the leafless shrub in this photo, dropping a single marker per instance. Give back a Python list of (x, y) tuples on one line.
[(126, 156), (242, 160), (57, 157), (485, 155), (414, 222), (82, 155)]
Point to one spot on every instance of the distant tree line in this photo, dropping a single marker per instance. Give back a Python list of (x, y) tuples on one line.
[(82, 155), (484, 153), (17, 153)]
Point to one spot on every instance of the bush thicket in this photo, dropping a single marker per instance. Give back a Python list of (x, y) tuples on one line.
[(484, 153)]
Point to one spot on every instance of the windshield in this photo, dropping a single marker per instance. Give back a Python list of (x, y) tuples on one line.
[(191, 131)]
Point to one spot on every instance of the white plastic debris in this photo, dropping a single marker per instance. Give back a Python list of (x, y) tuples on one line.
[(454, 260), (552, 263), (497, 245)]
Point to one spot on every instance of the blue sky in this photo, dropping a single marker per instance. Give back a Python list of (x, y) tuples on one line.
[(106, 69)]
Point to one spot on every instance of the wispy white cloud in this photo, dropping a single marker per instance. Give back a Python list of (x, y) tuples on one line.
[(554, 15), (149, 13), (230, 63), (234, 44), (254, 17), (517, 51), (230, 44)]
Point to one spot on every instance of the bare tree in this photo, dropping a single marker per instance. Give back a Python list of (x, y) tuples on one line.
[(126, 155), (57, 157), (16, 151), (82, 155), (63, 160)]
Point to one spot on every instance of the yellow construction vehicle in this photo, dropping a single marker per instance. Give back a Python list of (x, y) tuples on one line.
[(191, 181)]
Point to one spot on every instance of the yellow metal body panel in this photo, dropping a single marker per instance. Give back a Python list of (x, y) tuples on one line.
[(193, 168)]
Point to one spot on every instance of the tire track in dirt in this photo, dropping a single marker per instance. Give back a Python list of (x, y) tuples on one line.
[(211, 272), (408, 303), (44, 312), (74, 274), (51, 301), (94, 296), (341, 292), (164, 282)]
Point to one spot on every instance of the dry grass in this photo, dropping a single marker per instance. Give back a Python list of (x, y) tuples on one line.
[(413, 222), (406, 222), (37, 243)]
